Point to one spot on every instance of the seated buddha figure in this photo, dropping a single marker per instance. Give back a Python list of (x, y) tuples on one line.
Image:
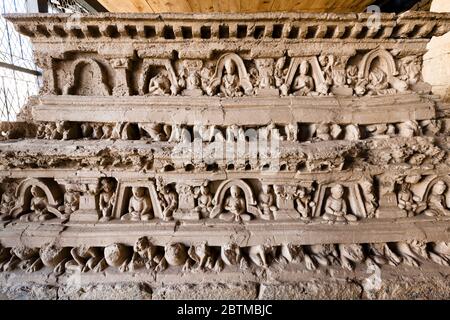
[(336, 207), (303, 84), (236, 207), (139, 207)]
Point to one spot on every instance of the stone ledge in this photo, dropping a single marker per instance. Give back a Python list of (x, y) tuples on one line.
[(237, 111), (217, 232)]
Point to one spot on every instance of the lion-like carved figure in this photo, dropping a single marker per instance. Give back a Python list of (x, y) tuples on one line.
[(439, 252), (25, 258), (55, 257), (86, 259), (231, 255), (411, 252), (351, 254), (203, 256), (290, 253), (145, 254), (320, 254)]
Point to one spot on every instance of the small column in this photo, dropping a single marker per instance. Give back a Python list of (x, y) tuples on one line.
[(190, 77), (186, 203), (266, 82), (121, 66), (88, 211), (45, 62), (285, 202), (388, 207)]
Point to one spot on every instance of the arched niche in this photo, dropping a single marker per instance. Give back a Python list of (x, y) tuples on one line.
[(316, 72), (123, 196), (423, 188), (352, 196), (76, 73), (219, 197), (150, 69), (244, 80), (387, 64), (52, 192)]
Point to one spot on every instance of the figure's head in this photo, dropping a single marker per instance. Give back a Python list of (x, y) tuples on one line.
[(138, 191), (337, 191), (323, 60), (204, 190), (235, 191), (106, 185), (278, 189), (301, 192), (367, 186), (37, 192), (280, 62), (439, 187), (175, 253), (352, 71), (265, 188), (10, 188), (304, 67), (70, 188), (166, 189), (60, 125), (141, 244), (323, 128), (377, 76), (229, 66), (405, 186)]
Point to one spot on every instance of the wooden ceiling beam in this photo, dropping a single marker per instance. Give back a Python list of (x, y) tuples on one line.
[(235, 6)]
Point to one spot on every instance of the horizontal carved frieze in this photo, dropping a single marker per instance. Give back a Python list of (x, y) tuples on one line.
[(318, 200), (234, 156), (273, 26), (144, 256)]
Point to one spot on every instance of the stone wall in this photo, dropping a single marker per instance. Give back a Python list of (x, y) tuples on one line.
[(227, 156), (437, 59)]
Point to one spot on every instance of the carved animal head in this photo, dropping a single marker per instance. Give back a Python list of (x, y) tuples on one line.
[(141, 244), (439, 188)]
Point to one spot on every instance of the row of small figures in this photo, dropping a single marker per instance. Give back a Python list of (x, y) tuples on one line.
[(233, 207), (202, 257), (179, 133)]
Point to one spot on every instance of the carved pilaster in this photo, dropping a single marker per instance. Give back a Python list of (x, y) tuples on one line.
[(121, 67), (88, 209), (388, 199), (45, 62)]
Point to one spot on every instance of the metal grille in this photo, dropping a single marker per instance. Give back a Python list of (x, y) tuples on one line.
[(19, 76), (18, 73), (66, 6)]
